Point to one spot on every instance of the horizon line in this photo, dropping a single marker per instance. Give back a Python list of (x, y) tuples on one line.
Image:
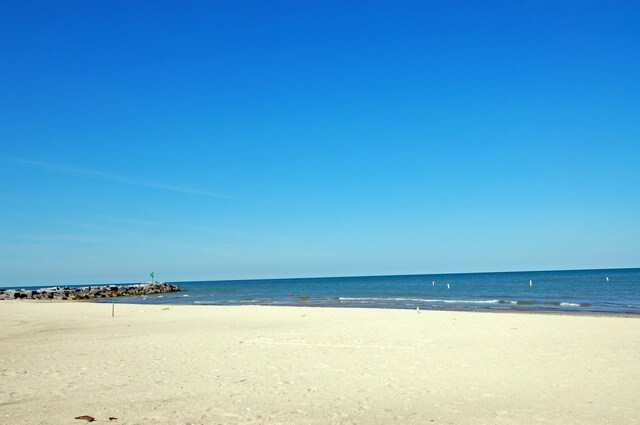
[(330, 277)]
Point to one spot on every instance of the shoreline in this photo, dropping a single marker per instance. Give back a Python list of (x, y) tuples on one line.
[(484, 311), (499, 311)]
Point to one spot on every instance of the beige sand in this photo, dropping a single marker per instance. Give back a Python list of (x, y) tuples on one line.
[(209, 365)]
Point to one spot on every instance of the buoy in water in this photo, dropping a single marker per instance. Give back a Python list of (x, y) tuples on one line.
[(291, 294), (448, 286), (530, 283)]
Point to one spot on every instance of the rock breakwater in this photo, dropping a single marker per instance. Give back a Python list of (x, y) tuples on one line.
[(88, 292)]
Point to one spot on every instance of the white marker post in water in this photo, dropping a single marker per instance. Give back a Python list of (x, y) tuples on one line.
[(607, 278), (530, 282), (433, 283), (448, 286)]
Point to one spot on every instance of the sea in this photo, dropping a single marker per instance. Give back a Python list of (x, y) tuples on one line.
[(609, 291)]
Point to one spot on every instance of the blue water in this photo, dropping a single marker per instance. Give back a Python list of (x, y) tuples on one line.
[(586, 291)]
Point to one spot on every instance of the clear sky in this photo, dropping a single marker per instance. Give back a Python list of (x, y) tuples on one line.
[(215, 140)]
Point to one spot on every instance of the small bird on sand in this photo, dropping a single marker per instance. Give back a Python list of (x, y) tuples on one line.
[(418, 310)]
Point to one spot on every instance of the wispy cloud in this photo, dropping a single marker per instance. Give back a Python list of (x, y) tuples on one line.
[(55, 238), (80, 172)]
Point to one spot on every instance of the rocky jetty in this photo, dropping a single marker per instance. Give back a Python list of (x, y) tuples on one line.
[(88, 292)]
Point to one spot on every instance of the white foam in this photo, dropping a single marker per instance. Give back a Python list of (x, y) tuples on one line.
[(425, 300), (570, 304)]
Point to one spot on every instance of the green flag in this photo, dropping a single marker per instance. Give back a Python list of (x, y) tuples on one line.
[(152, 275)]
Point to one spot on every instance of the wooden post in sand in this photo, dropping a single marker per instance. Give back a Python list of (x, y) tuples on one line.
[(113, 306)]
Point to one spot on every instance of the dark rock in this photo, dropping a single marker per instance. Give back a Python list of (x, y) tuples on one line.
[(67, 293)]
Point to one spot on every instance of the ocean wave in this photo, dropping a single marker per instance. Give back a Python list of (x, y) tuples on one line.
[(555, 303), (374, 300), (424, 300)]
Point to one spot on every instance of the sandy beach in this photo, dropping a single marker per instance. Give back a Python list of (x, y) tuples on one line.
[(154, 364)]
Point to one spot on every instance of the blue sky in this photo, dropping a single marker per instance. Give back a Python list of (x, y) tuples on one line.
[(229, 140)]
